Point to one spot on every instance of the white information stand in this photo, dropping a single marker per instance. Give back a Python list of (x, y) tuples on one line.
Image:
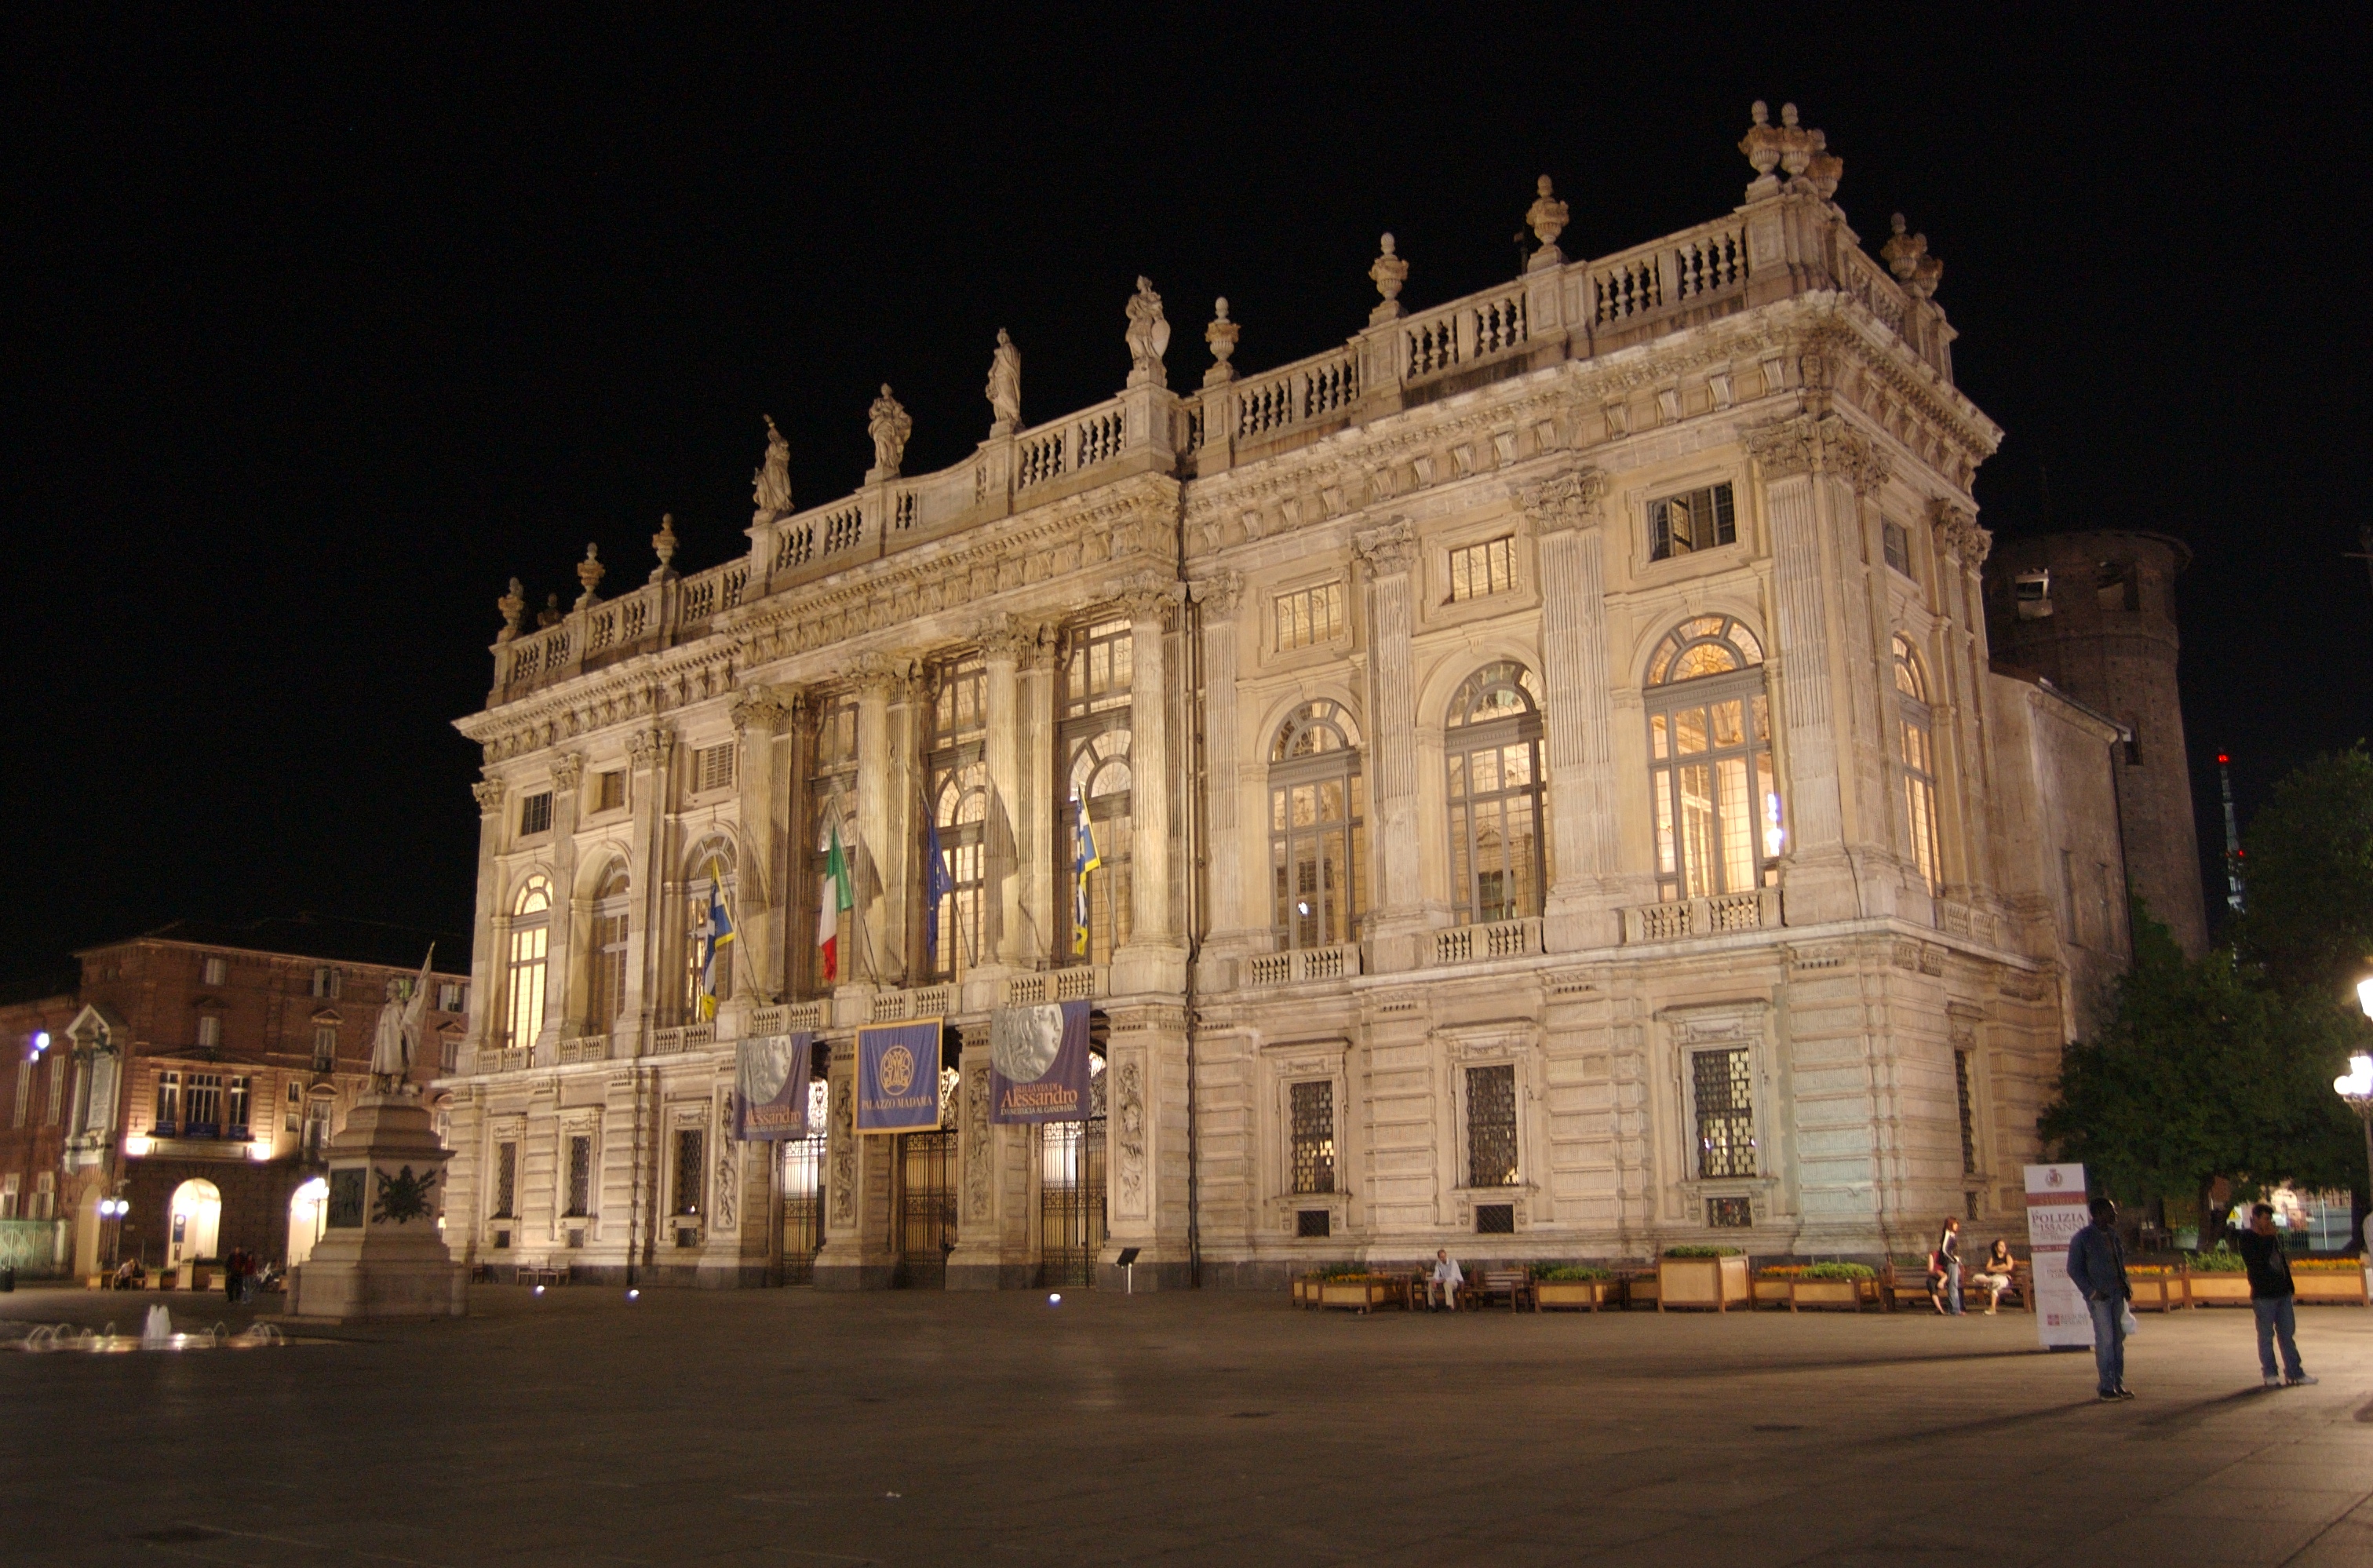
[(2056, 1211)]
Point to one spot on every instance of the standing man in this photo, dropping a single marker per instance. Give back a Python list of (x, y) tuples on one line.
[(2270, 1298), (2097, 1266)]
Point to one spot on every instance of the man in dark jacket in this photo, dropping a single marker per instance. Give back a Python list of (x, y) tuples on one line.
[(2097, 1266), (2270, 1297)]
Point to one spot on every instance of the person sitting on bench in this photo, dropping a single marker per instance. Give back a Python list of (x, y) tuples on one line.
[(1995, 1274), (1448, 1281)]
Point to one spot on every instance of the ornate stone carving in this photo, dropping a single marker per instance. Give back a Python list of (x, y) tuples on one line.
[(1221, 335), (1865, 467), (489, 795), (1152, 598), (771, 485), (1004, 385), (758, 706), (1562, 500), (649, 748), (888, 423), (881, 675), (567, 772), (1217, 594), (1761, 146), (1128, 1135), (1958, 533), (1825, 168), (511, 607), (843, 1141), (1907, 257), (1007, 637), (589, 572), (663, 546), (729, 1167), (550, 615), (976, 1140), (1808, 443), (1547, 218), (1148, 337), (1389, 548), (1387, 272)]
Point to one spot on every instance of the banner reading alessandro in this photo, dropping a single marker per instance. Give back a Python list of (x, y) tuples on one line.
[(770, 1087), (1038, 1063), (2056, 1211), (898, 1077)]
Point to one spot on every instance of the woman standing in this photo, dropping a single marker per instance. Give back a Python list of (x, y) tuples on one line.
[(1948, 1265)]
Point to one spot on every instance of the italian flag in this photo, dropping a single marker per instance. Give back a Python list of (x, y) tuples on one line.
[(837, 897)]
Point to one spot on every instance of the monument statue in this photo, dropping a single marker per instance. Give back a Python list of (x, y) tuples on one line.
[(1148, 337), (1005, 384), (772, 489), (890, 425), (395, 1042)]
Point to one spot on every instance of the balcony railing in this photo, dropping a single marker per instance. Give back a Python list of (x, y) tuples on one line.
[(1476, 944), (1301, 965), (1758, 910)]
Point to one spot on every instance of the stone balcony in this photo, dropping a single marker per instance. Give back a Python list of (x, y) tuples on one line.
[(1684, 918)]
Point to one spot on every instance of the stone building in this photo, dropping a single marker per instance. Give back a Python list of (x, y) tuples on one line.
[(2094, 613), (1549, 792), (206, 1066)]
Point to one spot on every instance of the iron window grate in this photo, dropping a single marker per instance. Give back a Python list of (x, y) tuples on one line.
[(1724, 1086), (1314, 1137), (1491, 1126), (1314, 1222), (1729, 1213), (1495, 1219)]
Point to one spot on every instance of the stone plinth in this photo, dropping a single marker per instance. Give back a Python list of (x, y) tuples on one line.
[(381, 1255)]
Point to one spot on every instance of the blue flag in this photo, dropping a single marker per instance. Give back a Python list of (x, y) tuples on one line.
[(937, 885)]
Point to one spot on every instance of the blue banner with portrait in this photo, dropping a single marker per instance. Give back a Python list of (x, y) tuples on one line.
[(1038, 1063), (898, 1077), (770, 1087)]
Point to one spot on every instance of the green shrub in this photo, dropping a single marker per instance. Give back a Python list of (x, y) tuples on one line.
[(1569, 1272), (2218, 1262), (1839, 1271), (1695, 1251)]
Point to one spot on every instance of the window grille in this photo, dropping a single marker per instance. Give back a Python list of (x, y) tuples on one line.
[(689, 1170), (506, 1181), (1897, 543), (713, 766), (1724, 1083), (1313, 1223), (169, 1104), (1479, 570), (1491, 1126), (1308, 617), (581, 1176), (610, 791), (1495, 1219), (1312, 1108), (1700, 520), (1729, 1213), (218, 971), (1969, 1120), (535, 813)]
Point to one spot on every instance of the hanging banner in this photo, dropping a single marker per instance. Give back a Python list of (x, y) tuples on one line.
[(2056, 1210), (898, 1077), (770, 1087), (1038, 1063)]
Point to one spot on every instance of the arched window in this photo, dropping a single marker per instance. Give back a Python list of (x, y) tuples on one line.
[(1916, 747), (708, 920), (1492, 743), (958, 770), (1719, 825), (523, 983), (1317, 812), (605, 989)]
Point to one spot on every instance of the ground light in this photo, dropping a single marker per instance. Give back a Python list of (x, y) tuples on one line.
[(1054, 1298), (631, 1295)]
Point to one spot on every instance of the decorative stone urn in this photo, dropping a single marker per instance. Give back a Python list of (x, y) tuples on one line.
[(381, 1255)]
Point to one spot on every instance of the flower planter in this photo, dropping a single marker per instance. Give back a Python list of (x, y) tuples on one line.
[(1772, 1292), (2164, 1293), (2330, 1286), (2217, 1289), (1573, 1294), (1718, 1283), (1829, 1294), (1359, 1295)]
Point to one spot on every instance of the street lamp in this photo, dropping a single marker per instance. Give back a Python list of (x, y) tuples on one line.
[(2356, 1087)]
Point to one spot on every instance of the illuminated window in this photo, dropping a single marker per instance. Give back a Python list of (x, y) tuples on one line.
[(1312, 1114), (1477, 570), (958, 768), (606, 974), (1094, 704), (1916, 749), (531, 939), (169, 1104), (1719, 824), (832, 805), (1492, 745), (708, 879), (1701, 520), (1724, 1086), (1308, 617), (1317, 839), (535, 813), (234, 1108), (203, 1105)]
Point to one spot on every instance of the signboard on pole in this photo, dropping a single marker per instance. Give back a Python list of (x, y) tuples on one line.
[(1038, 1063), (2056, 1211), (898, 1077)]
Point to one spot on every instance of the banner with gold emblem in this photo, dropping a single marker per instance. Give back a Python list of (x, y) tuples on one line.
[(898, 1077)]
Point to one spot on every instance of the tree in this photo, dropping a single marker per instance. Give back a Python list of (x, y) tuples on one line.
[(2308, 863)]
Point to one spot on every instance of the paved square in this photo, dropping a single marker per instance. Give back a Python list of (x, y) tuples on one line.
[(783, 1427)]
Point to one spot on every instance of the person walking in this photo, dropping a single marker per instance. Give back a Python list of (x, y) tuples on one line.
[(2097, 1266), (1948, 1264), (2271, 1299)]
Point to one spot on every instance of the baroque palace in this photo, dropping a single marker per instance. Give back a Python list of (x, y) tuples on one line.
[(1548, 795)]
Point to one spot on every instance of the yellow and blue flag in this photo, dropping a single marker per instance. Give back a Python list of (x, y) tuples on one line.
[(1086, 860)]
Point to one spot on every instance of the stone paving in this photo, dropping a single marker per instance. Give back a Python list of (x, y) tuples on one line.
[(746, 1428)]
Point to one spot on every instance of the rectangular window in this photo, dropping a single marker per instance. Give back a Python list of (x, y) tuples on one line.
[(9, 1188), (169, 1104), (1899, 546), (580, 1176), (24, 1087), (688, 1142), (1726, 1109), (610, 791), (1491, 1126), (57, 1088), (535, 813), (1495, 1219), (209, 1031), (527, 985), (1311, 1222), (1309, 616), (1729, 1213), (327, 982), (235, 1109), (1312, 1108), (203, 1105), (326, 1049), (451, 997), (45, 1195), (1969, 1120), (290, 1118), (317, 1127), (713, 767), (1701, 520), (218, 970), (506, 1181), (1477, 571), (608, 972)]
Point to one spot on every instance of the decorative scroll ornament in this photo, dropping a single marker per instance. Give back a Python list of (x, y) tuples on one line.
[(759, 706), (1562, 500), (880, 674), (1006, 638), (1808, 443), (1152, 598), (567, 770), (488, 792)]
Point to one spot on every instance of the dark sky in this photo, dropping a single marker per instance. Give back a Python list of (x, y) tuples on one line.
[(321, 324)]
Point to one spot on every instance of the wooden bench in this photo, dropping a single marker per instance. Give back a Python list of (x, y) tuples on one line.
[(1899, 1286), (1515, 1285)]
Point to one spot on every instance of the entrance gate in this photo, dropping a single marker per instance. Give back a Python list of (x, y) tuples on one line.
[(803, 1169), (923, 1207), (1071, 1199)]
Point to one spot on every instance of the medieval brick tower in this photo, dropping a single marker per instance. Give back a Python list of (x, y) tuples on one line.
[(2095, 614)]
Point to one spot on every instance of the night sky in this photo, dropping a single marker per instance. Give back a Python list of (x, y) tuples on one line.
[(319, 327)]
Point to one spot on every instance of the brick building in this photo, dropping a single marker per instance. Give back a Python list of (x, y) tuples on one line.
[(33, 1083), (207, 1065)]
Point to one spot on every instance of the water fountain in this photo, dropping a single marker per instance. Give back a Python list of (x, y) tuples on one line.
[(158, 1330)]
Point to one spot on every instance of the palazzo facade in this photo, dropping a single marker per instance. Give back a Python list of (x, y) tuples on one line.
[(1551, 797)]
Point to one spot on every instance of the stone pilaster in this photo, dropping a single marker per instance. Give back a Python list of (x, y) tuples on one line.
[(1153, 958), (1230, 920), (997, 1233), (1038, 802), (571, 916), (1004, 648), (648, 755), (493, 945), (760, 715), (856, 1253), (1388, 553), (1145, 1145)]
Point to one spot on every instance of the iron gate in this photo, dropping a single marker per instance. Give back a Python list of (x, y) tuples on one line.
[(925, 1207), (1070, 1201), (803, 1178)]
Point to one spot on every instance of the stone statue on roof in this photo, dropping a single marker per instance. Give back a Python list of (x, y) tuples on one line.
[(772, 485), (1005, 384), (1148, 337), (889, 424)]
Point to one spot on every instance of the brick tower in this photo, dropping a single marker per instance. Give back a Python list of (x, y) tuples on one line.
[(2095, 614)]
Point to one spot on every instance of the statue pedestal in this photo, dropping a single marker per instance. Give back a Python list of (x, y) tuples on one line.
[(381, 1255)]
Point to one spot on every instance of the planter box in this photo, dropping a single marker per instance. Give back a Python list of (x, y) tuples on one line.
[(2333, 1288), (2164, 1292), (1828, 1294), (2217, 1289), (1772, 1292), (1303, 1291), (1573, 1294), (1359, 1295), (1719, 1283)]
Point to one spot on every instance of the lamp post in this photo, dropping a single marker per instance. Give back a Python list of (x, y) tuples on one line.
[(2357, 1088)]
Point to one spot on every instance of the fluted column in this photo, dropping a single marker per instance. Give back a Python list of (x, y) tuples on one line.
[(1216, 598), (1003, 647), (570, 915), (881, 934), (493, 919), (1388, 554), (1153, 958), (759, 715)]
